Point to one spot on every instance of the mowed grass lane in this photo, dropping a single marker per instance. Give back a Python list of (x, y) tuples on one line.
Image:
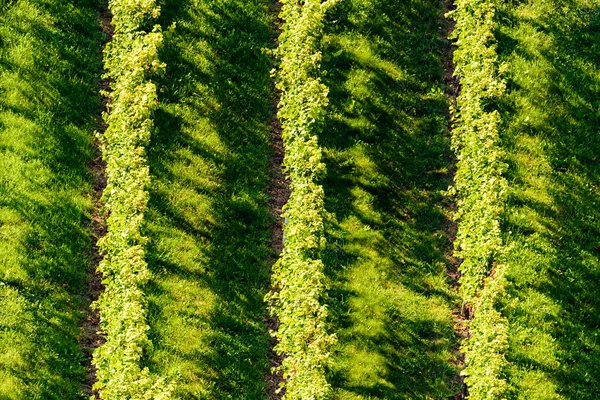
[(552, 222), (208, 219), (49, 70), (388, 156)]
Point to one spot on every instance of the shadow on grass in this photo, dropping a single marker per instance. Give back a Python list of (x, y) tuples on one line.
[(388, 159), (208, 217), (49, 68), (553, 219)]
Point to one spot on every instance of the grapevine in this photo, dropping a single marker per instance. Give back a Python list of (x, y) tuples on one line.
[(481, 190), (130, 59), (298, 275)]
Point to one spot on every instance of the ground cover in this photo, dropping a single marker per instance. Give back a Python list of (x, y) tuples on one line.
[(387, 148), (49, 68), (208, 217), (552, 222)]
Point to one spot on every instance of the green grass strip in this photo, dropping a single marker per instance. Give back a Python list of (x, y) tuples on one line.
[(208, 215), (298, 274), (49, 67), (387, 150), (130, 58), (551, 226), (481, 191)]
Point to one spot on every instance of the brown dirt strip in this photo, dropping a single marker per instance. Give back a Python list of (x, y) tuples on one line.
[(461, 315), (91, 338), (279, 193)]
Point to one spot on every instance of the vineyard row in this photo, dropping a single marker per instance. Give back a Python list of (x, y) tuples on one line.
[(298, 278), (130, 59), (481, 192)]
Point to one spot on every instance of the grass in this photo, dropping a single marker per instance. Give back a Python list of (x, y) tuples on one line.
[(49, 68), (388, 156), (208, 219), (552, 223)]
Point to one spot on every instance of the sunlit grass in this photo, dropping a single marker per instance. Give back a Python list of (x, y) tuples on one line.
[(387, 147), (49, 69), (208, 221), (552, 223)]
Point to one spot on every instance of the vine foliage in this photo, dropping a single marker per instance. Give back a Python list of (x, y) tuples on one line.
[(298, 275), (481, 191), (131, 58)]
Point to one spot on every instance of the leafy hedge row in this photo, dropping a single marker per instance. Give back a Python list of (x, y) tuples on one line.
[(298, 274), (481, 190), (486, 348), (130, 59)]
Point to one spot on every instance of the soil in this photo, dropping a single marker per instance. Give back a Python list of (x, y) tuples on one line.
[(92, 337), (279, 193)]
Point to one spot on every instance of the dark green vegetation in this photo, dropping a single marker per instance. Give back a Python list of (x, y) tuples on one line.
[(49, 102), (388, 156), (208, 220), (552, 223)]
